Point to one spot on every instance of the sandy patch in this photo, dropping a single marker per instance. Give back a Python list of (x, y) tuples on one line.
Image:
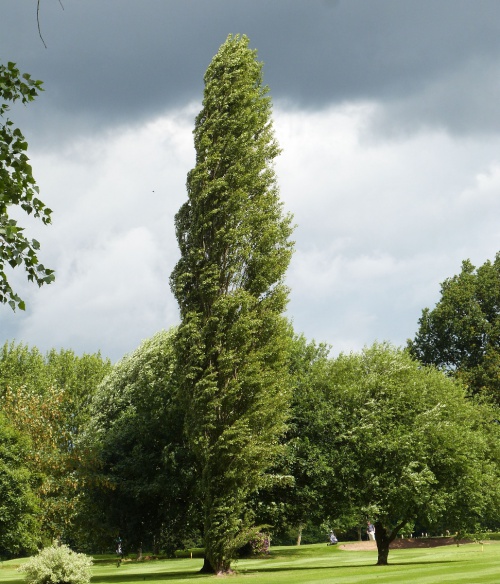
[(403, 543)]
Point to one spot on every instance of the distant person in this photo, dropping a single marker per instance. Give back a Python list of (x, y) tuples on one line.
[(370, 531), (119, 551), (333, 539)]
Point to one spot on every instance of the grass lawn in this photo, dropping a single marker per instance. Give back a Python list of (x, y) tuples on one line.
[(310, 564)]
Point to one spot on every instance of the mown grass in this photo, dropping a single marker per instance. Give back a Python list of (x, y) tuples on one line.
[(314, 564)]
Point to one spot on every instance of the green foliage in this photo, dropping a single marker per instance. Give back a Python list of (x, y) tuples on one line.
[(19, 530), (57, 564), (398, 442), (461, 334), (18, 187), (143, 483), (293, 502), (258, 545), (47, 399), (232, 343), (22, 365)]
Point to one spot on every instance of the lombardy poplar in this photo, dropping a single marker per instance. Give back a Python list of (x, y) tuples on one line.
[(232, 342)]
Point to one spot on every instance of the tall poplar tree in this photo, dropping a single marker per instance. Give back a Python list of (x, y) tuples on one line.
[(232, 342)]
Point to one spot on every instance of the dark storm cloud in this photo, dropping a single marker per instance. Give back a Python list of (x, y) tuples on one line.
[(430, 62)]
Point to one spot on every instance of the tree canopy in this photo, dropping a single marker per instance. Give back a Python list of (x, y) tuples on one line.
[(46, 398), (398, 443), (232, 342), (143, 486), (18, 188), (461, 334), (19, 531)]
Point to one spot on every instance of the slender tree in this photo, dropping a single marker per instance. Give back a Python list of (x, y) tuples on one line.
[(232, 342)]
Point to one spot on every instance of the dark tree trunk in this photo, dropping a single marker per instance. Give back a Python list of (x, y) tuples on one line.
[(383, 540), (207, 567), (359, 532)]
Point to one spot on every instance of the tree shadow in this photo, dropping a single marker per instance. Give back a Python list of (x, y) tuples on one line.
[(120, 577), (343, 566)]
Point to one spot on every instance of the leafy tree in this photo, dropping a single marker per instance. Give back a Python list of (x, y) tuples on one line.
[(19, 529), (295, 502), (462, 333), (22, 365), (18, 188), (46, 398), (404, 444), (143, 483), (232, 342)]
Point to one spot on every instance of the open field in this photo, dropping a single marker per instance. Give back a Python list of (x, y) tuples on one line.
[(467, 564)]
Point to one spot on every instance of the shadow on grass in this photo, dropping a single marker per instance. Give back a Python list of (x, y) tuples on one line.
[(120, 577), (338, 567)]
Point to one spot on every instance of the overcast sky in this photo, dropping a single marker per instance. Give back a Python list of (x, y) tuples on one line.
[(388, 113)]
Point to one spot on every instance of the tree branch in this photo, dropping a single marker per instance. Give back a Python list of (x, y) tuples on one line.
[(38, 22)]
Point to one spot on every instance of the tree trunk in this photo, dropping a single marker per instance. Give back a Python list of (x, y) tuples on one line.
[(299, 534), (207, 567), (359, 533), (383, 541)]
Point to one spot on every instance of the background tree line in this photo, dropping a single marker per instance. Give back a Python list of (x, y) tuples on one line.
[(373, 434)]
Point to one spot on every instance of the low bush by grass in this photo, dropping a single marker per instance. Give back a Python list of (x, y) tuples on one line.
[(57, 564), (316, 564)]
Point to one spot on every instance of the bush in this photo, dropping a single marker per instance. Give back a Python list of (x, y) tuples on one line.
[(57, 565), (257, 546)]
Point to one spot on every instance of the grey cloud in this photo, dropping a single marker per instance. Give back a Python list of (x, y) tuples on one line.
[(424, 74), (466, 101), (120, 61)]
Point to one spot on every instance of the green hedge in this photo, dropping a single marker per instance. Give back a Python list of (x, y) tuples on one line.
[(196, 553)]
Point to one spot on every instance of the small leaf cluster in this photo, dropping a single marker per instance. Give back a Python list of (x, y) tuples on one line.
[(57, 564), (18, 188)]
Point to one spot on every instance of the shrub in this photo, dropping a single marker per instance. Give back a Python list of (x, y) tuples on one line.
[(57, 564), (257, 546)]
